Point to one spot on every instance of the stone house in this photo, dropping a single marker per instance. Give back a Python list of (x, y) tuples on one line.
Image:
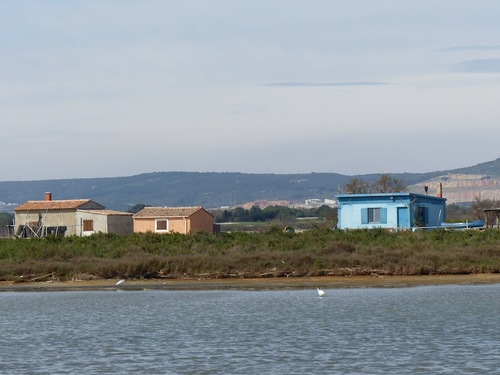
[(72, 217)]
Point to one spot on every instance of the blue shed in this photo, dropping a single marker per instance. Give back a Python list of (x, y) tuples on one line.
[(390, 210)]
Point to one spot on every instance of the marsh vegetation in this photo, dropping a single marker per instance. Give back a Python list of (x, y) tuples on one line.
[(272, 253)]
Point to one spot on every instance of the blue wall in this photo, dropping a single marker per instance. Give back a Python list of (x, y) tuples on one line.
[(398, 210)]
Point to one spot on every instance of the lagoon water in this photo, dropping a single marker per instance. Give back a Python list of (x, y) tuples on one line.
[(420, 330)]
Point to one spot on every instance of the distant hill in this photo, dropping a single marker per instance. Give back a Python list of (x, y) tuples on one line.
[(213, 189)]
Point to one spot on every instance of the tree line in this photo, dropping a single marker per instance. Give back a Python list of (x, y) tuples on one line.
[(271, 213)]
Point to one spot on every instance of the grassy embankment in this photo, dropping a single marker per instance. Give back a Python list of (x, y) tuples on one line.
[(272, 254)]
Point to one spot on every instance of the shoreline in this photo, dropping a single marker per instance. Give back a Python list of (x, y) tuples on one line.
[(275, 283)]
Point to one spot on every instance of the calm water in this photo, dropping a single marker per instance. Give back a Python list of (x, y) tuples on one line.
[(423, 330)]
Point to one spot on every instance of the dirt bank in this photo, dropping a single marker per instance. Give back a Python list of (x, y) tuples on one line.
[(327, 282)]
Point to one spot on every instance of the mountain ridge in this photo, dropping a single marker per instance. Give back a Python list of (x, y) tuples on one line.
[(215, 189)]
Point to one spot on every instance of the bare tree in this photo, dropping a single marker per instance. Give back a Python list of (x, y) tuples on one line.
[(388, 184), (479, 205), (357, 186), (385, 184)]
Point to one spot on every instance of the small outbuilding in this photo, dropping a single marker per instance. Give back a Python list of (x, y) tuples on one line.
[(390, 211), (72, 217), (105, 221), (185, 220)]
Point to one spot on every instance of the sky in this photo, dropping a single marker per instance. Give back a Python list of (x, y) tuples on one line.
[(123, 87)]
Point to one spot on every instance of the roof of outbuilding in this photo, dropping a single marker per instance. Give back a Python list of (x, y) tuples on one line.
[(107, 212), (70, 204), (152, 212)]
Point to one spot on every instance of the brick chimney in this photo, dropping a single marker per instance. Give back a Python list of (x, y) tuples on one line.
[(48, 196)]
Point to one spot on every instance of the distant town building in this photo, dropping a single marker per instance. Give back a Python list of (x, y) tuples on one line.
[(7, 206), (316, 202)]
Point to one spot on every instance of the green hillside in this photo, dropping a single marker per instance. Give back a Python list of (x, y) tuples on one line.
[(207, 189)]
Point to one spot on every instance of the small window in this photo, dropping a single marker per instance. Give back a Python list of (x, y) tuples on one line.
[(88, 225), (161, 225), (374, 215)]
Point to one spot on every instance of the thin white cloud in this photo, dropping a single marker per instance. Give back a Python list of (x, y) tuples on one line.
[(478, 66), (326, 84), (472, 48)]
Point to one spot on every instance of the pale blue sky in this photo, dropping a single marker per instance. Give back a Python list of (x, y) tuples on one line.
[(116, 88)]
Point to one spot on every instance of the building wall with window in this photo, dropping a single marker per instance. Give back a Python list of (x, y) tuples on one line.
[(183, 220), (104, 221), (391, 211)]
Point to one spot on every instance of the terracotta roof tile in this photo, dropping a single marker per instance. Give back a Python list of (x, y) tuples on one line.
[(150, 212), (52, 205), (107, 212)]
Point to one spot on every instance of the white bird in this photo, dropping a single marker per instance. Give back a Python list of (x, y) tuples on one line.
[(321, 293), (120, 282)]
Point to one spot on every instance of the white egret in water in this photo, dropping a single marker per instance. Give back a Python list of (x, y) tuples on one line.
[(321, 293), (120, 282)]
